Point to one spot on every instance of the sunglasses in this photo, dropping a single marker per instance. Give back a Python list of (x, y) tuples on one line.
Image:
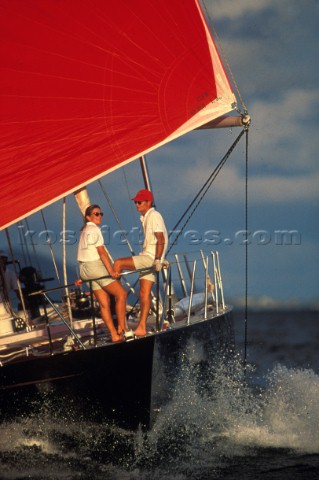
[(139, 203), (97, 214)]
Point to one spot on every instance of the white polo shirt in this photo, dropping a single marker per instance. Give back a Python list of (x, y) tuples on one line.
[(91, 237), (153, 223)]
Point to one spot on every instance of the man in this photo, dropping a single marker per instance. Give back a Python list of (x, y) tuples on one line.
[(152, 255)]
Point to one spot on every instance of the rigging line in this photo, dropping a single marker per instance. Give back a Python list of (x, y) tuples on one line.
[(224, 57), (51, 249), (116, 217), (218, 167), (65, 275), (22, 242), (133, 213), (33, 248), (204, 189), (246, 256)]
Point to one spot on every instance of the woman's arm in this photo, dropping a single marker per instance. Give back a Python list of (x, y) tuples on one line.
[(107, 262)]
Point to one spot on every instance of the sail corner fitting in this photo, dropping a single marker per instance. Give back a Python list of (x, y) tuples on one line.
[(246, 120)]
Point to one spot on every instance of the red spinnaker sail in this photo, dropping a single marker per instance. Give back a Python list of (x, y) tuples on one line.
[(88, 85)]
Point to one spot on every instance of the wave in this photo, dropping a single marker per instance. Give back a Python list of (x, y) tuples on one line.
[(213, 419)]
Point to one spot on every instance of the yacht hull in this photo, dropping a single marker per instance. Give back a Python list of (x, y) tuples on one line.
[(124, 383)]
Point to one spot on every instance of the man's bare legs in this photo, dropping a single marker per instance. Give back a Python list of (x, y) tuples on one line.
[(124, 264), (145, 292), (145, 299)]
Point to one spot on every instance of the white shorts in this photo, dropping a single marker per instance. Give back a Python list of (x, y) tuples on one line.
[(95, 269), (144, 261)]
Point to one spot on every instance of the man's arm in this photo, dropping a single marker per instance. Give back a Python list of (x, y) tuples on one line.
[(160, 243)]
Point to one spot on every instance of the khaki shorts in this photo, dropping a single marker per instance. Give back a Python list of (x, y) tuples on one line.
[(95, 269), (144, 261)]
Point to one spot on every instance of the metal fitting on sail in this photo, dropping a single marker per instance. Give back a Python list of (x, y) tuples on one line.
[(246, 120)]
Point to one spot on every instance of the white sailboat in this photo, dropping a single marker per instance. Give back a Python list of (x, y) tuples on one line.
[(86, 88)]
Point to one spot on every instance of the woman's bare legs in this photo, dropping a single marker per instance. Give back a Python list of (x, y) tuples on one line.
[(120, 294), (104, 302)]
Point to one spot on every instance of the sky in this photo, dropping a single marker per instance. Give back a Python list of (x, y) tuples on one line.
[(272, 48)]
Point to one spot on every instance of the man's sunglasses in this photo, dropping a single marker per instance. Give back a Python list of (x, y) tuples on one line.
[(97, 214), (139, 203)]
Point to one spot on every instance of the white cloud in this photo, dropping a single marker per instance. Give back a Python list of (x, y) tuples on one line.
[(283, 165), (274, 189), (266, 189), (234, 9), (282, 134), (270, 45), (283, 140)]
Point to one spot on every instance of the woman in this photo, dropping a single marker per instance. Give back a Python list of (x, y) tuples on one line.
[(94, 263)]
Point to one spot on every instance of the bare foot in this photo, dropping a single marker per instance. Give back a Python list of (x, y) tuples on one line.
[(140, 332), (117, 338)]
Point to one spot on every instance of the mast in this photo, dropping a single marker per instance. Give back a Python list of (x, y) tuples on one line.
[(145, 173)]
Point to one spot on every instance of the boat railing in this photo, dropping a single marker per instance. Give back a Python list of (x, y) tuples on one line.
[(212, 291), (165, 304), (48, 300)]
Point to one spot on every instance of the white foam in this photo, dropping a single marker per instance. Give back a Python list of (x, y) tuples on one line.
[(285, 414)]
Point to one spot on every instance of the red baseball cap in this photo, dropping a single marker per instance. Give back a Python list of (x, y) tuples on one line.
[(143, 195)]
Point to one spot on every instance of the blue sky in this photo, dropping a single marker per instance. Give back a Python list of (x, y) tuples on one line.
[(272, 48)]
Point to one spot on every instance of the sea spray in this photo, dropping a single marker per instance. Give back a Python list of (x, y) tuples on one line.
[(214, 418), (206, 403), (283, 415), (222, 415), (292, 408)]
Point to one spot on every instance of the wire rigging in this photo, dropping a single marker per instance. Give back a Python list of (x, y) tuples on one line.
[(247, 122), (246, 254), (107, 198), (202, 192), (35, 255), (51, 248)]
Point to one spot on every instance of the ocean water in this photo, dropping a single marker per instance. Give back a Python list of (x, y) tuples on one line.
[(255, 422)]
